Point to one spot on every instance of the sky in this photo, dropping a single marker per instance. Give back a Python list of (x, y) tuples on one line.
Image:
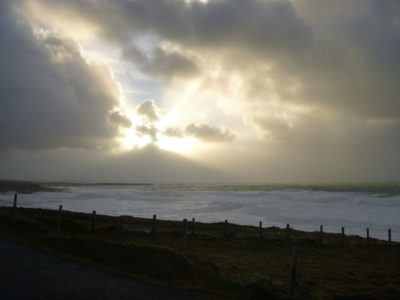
[(217, 91)]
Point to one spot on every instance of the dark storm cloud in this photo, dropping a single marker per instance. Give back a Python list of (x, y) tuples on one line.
[(261, 27), (161, 63), (318, 78), (349, 73), (360, 47), (49, 95), (336, 56), (343, 55), (266, 23)]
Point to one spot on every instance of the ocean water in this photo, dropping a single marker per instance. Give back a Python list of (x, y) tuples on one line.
[(303, 207)]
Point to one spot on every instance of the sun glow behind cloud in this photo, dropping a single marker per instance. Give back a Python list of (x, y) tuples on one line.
[(277, 85), (214, 95), (132, 138), (180, 145), (186, 101)]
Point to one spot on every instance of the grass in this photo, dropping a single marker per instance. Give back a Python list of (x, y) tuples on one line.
[(239, 265)]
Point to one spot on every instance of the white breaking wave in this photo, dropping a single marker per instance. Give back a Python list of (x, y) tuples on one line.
[(304, 209)]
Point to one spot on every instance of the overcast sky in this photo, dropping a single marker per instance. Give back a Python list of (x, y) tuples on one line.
[(200, 91)]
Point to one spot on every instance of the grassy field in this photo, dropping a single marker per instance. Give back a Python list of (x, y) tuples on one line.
[(237, 264)]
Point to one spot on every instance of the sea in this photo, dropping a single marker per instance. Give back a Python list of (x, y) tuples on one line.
[(304, 207)]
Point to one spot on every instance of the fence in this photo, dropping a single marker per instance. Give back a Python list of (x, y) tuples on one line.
[(290, 232), (223, 230)]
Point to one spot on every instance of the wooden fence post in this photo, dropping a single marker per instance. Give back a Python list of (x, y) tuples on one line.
[(193, 220), (321, 232), (15, 201), (154, 224), (59, 218), (293, 268), (226, 228), (342, 241), (367, 236), (287, 232), (389, 236), (260, 229), (183, 237), (93, 221)]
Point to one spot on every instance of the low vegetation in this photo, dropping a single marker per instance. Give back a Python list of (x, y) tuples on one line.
[(237, 263)]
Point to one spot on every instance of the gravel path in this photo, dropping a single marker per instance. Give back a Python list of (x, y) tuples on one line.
[(27, 273)]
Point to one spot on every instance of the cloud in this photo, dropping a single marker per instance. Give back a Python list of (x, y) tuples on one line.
[(351, 66), (117, 118), (337, 56), (147, 130), (148, 164), (150, 114), (148, 110), (202, 132), (276, 127), (255, 27), (161, 63), (316, 80), (174, 132), (208, 133), (49, 95)]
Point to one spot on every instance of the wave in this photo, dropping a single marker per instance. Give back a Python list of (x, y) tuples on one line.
[(303, 206)]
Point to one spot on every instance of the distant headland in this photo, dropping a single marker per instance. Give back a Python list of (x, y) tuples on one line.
[(23, 187)]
